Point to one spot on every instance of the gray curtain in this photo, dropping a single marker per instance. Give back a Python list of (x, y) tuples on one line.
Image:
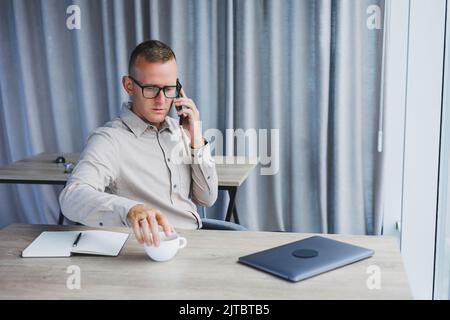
[(310, 69)]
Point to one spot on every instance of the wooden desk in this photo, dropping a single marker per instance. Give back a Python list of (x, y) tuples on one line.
[(41, 169), (206, 269)]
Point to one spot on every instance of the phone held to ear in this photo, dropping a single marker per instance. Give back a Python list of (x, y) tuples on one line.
[(179, 86)]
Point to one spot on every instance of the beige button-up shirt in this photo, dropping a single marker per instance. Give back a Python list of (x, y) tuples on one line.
[(128, 162)]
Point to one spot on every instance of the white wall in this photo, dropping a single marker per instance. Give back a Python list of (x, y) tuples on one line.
[(418, 176), (395, 64)]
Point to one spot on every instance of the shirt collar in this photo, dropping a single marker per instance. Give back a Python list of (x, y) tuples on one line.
[(138, 126)]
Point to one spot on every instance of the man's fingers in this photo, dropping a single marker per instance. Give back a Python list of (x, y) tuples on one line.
[(154, 229), (187, 113), (162, 221), (188, 103), (145, 223), (185, 101), (146, 231), (137, 231)]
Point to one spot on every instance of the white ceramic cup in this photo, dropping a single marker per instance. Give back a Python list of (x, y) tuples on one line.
[(168, 247)]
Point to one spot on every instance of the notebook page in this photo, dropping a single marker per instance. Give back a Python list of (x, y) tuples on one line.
[(101, 242), (51, 244)]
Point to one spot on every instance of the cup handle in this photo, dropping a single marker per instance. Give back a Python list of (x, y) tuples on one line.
[(182, 242)]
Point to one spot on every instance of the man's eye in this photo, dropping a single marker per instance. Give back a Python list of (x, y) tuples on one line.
[(154, 89)]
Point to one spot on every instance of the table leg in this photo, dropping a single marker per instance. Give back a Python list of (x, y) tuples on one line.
[(61, 218), (235, 214), (232, 205)]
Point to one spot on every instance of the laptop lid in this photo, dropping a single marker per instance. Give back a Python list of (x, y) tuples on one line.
[(305, 258)]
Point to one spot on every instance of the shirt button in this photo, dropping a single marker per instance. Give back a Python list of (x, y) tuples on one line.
[(168, 159), (174, 186), (101, 223), (209, 177)]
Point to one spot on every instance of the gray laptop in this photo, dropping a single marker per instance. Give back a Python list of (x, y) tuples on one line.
[(305, 258)]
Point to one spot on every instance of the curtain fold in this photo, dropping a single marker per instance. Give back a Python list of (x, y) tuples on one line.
[(308, 71)]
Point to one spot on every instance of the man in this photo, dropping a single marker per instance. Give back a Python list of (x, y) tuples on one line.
[(143, 170)]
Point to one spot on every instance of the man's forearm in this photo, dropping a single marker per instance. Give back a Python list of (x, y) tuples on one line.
[(204, 177), (82, 203)]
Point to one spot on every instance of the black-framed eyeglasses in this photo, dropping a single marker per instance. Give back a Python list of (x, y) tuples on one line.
[(150, 91)]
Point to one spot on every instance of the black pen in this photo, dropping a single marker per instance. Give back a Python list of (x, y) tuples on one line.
[(77, 239)]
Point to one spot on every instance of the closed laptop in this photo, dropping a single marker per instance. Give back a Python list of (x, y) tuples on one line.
[(305, 258)]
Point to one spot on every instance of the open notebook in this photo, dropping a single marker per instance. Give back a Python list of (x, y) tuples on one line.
[(61, 243)]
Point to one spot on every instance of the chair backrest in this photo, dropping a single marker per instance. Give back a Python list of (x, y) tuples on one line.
[(214, 224)]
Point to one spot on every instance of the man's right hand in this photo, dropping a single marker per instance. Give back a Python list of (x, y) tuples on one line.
[(145, 222)]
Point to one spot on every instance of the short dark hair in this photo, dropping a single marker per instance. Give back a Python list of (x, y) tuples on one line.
[(151, 51)]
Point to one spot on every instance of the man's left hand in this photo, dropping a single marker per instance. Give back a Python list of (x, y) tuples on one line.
[(191, 119)]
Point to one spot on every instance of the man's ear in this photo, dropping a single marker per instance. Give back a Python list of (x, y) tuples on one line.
[(127, 85)]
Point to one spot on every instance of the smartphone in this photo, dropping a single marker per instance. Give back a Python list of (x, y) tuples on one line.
[(179, 86)]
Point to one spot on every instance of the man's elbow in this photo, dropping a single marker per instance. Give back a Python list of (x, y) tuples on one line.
[(63, 199), (211, 199), (208, 199), (65, 203)]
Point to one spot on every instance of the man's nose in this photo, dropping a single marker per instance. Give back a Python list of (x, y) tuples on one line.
[(160, 97)]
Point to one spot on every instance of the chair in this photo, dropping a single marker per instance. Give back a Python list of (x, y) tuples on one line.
[(214, 224)]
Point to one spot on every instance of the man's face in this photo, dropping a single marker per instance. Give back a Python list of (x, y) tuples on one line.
[(160, 74)]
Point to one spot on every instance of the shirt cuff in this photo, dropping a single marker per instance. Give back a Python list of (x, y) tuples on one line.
[(205, 143), (201, 154), (124, 207)]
